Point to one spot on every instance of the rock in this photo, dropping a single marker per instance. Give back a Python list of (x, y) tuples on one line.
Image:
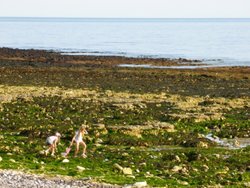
[(200, 135), (100, 126), (140, 184), (131, 176), (65, 161), (80, 168), (183, 182), (176, 169), (67, 119), (13, 179), (12, 160), (125, 154), (195, 169), (42, 152), (177, 158), (9, 154), (118, 167), (205, 168), (236, 143), (148, 175), (247, 184), (98, 145), (127, 171), (99, 141), (143, 164), (217, 156), (202, 145)]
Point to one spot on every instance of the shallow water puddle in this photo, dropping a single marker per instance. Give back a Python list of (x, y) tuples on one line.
[(235, 143)]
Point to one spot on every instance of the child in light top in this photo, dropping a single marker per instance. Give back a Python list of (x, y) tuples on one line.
[(52, 142), (78, 140)]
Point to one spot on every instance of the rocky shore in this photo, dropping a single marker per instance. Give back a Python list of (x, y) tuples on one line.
[(17, 179), (49, 58), (147, 127)]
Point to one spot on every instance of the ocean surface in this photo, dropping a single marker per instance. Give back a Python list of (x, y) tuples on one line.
[(221, 42)]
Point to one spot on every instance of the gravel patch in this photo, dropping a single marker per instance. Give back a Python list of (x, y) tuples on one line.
[(16, 179)]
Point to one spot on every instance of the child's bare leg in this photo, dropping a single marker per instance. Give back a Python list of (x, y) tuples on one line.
[(47, 151), (84, 148), (53, 150), (77, 148)]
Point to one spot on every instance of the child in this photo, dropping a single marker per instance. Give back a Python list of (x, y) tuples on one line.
[(78, 140), (52, 141)]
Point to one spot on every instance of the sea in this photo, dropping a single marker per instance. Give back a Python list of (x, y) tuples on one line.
[(220, 42)]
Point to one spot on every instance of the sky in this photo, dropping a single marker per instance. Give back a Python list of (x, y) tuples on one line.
[(126, 8)]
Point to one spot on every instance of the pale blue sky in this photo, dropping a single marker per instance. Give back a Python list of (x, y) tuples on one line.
[(127, 8)]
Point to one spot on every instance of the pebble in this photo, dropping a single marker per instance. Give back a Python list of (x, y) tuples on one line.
[(140, 184), (16, 179), (65, 161), (80, 168), (127, 171)]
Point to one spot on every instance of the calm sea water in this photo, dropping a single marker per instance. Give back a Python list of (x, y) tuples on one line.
[(219, 41)]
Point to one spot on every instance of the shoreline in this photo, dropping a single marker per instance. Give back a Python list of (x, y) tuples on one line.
[(53, 57), (59, 58)]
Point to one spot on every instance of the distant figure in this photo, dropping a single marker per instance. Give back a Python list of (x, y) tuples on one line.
[(77, 139), (52, 142)]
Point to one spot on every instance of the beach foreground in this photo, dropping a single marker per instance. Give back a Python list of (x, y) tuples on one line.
[(166, 127)]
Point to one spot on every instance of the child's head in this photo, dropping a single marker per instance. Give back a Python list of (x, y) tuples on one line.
[(58, 134), (83, 127)]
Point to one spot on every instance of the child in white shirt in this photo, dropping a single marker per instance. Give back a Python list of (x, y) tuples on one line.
[(77, 139), (52, 142)]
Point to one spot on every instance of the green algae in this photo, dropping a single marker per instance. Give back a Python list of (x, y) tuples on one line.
[(132, 136)]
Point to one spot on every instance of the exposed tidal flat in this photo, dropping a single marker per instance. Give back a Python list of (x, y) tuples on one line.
[(145, 125)]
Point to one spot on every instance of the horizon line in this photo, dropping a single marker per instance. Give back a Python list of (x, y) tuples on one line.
[(60, 17)]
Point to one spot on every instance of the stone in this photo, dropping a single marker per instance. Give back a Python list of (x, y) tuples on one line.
[(99, 141), (177, 158), (65, 161), (176, 169), (42, 152), (202, 145), (12, 160), (140, 184), (67, 119), (100, 126), (236, 143), (183, 183), (118, 167), (131, 176), (205, 168), (217, 156), (247, 184), (127, 171), (125, 154), (80, 168)]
